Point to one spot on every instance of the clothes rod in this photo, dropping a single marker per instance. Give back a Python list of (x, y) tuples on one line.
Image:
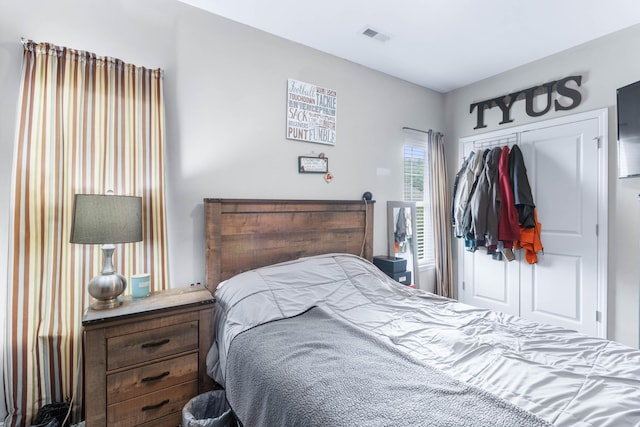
[(416, 130)]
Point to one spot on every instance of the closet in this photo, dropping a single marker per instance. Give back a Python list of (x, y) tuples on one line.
[(566, 161)]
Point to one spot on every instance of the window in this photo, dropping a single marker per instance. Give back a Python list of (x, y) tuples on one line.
[(417, 189)]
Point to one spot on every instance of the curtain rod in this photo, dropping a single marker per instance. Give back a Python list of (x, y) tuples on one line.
[(417, 130), (26, 43)]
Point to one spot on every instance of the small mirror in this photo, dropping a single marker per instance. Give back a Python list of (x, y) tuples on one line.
[(401, 228)]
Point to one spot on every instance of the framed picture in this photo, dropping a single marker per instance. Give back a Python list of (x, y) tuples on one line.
[(313, 164), (311, 113)]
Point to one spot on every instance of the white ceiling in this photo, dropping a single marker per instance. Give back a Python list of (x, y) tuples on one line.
[(438, 44)]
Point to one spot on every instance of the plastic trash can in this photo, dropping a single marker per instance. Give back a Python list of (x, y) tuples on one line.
[(208, 409)]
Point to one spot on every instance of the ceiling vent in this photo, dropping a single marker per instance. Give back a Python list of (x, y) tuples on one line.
[(373, 34)]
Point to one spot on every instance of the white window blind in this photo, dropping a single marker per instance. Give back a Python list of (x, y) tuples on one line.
[(417, 189)]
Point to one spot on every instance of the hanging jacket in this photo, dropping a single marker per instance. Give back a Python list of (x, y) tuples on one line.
[(462, 170), (530, 240), (523, 197), (509, 225), (470, 242), (467, 180), (400, 234), (485, 203)]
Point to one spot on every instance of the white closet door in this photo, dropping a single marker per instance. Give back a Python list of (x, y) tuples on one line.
[(567, 287), (562, 165), (486, 282)]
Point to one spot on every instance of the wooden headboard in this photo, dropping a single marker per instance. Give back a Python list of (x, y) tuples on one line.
[(244, 234)]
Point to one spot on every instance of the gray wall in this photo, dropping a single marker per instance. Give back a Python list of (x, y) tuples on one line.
[(225, 96), (605, 64), (229, 124), (225, 90)]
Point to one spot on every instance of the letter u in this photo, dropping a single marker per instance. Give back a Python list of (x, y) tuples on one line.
[(530, 93)]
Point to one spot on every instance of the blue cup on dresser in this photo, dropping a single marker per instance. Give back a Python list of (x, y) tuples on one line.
[(140, 285)]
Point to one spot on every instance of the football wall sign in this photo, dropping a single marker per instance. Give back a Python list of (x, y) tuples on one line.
[(311, 113)]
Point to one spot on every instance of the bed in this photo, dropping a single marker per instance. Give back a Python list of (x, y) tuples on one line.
[(326, 339)]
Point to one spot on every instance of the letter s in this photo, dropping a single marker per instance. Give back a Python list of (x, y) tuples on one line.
[(573, 94)]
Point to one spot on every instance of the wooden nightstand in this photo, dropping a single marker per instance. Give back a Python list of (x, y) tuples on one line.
[(145, 359)]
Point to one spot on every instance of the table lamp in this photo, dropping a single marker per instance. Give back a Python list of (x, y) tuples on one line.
[(106, 219)]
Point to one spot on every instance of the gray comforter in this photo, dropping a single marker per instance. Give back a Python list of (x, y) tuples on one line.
[(316, 370), (565, 378)]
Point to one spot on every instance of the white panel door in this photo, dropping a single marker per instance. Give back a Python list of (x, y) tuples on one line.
[(562, 165), (567, 286), (489, 283)]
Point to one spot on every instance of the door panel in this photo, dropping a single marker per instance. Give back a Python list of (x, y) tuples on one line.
[(566, 301), (561, 288), (490, 283), (556, 170)]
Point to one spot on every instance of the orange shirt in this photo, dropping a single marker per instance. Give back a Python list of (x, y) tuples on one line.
[(530, 241)]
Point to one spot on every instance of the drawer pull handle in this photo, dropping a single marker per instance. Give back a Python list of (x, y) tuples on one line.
[(157, 377), (159, 405), (156, 344)]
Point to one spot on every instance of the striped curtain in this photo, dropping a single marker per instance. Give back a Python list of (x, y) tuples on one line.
[(441, 215), (87, 124)]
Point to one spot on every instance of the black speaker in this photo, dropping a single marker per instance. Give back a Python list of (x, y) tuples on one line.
[(367, 196)]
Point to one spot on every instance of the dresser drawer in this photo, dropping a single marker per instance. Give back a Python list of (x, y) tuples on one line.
[(129, 349), (172, 420), (152, 406), (149, 378)]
